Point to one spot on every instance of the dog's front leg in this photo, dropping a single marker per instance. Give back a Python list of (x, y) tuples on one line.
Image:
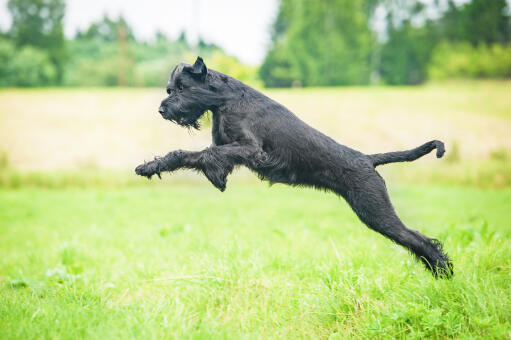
[(172, 161), (215, 162)]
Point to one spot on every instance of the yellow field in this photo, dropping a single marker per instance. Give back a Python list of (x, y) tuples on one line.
[(117, 128)]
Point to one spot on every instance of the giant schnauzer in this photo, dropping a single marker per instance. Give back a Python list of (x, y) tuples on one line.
[(252, 130)]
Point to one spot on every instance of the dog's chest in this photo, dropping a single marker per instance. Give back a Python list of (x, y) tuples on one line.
[(221, 131)]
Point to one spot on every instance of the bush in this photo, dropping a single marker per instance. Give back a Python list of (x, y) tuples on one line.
[(462, 60), (232, 67), (276, 70), (32, 67), (28, 66), (90, 73), (7, 52), (99, 63), (154, 73)]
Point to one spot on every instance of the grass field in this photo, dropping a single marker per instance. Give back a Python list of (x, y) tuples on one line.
[(186, 261), (116, 128), (87, 250)]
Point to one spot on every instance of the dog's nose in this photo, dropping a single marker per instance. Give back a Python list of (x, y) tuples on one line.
[(161, 110)]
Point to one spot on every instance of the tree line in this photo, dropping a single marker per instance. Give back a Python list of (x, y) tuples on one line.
[(334, 42), (35, 52), (313, 43)]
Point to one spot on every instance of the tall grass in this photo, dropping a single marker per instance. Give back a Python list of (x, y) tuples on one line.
[(186, 261)]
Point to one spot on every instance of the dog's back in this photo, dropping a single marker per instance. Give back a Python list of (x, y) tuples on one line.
[(295, 150)]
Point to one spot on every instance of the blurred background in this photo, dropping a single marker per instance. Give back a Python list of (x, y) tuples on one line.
[(80, 84)]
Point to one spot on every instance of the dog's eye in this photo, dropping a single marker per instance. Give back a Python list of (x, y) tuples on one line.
[(180, 86)]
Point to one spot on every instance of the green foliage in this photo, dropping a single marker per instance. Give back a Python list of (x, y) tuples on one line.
[(276, 70), (102, 56), (462, 60), (320, 43), (95, 73), (328, 42), (26, 66), (38, 23), (33, 68), (405, 56), (453, 46), (107, 30), (7, 53), (156, 72), (314, 43), (477, 22), (231, 66), (105, 54)]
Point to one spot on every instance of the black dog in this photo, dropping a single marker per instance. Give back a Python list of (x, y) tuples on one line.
[(252, 130)]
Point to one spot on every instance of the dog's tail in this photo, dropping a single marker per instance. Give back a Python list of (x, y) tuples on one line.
[(409, 155)]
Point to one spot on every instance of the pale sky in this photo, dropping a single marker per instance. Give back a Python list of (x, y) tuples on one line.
[(240, 27)]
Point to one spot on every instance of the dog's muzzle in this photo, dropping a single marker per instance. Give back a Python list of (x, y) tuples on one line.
[(171, 116), (163, 111)]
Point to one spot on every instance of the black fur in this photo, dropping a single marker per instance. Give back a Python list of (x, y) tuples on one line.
[(251, 129)]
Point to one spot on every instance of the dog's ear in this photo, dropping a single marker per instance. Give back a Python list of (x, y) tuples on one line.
[(198, 70)]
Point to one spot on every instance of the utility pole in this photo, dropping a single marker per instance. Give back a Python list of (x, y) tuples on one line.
[(122, 61)]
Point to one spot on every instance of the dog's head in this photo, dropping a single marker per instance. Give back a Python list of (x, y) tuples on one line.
[(190, 94)]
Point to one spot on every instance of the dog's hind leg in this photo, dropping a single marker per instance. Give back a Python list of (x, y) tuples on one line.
[(370, 201)]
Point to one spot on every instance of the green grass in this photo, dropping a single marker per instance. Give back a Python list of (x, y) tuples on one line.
[(482, 174), (186, 261)]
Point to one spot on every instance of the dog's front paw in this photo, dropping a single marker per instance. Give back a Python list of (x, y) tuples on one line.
[(148, 169)]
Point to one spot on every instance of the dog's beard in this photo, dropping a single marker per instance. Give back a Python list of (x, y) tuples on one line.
[(188, 120), (186, 111)]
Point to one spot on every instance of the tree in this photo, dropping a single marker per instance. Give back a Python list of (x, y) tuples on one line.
[(108, 30), (104, 54), (38, 23), (26, 66), (319, 43), (478, 21), (406, 54), (7, 53), (413, 37)]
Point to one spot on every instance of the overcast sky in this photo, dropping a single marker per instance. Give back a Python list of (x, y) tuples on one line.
[(240, 27)]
